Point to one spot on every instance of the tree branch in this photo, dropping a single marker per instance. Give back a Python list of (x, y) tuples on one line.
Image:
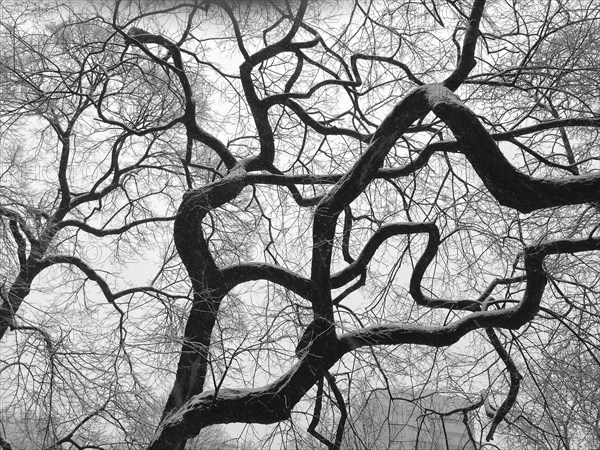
[(242, 273), (509, 186), (467, 57)]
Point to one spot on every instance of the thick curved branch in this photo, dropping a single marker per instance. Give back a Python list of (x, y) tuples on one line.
[(467, 56), (357, 267), (379, 237), (258, 107), (269, 404), (204, 137), (242, 273), (196, 204), (345, 191), (207, 281), (511, 318), (509, 186), (139, 37), (419, 272), (296, 74)]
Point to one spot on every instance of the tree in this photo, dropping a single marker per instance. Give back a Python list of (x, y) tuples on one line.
[(557, 407), (329, 197)]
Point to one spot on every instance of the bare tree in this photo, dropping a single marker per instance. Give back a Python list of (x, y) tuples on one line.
[(558, 405), (271, 209)]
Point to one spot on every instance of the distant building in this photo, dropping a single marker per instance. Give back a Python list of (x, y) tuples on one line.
[(399, 421)]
